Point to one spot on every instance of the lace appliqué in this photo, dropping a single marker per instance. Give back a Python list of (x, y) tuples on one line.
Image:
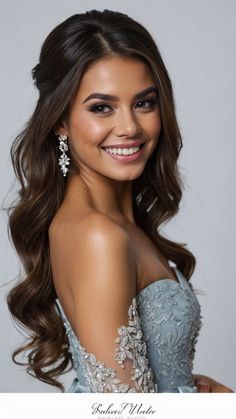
[(102, 379), (131, 345), (171, 321)]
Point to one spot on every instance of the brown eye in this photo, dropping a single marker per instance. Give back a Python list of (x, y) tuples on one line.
[(150, 102), (98, 107)]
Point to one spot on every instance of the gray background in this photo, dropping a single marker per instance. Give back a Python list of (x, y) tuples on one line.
[(196, 40)]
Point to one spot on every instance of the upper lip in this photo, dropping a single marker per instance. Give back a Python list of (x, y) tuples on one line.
[(125, 145)]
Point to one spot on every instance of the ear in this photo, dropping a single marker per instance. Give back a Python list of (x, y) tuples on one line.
[(61, 128)]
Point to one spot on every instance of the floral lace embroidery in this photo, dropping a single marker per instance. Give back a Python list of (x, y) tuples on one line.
[(131, 345), (171, 321)]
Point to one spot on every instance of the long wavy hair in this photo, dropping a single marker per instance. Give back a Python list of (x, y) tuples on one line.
[(66, 53)]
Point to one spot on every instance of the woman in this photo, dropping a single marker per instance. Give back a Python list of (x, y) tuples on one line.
[(97, 163)]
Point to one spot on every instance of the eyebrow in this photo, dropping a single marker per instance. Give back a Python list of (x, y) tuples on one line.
[(104, 96)]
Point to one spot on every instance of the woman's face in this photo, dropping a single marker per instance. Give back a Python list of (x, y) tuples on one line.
[(132, 115)]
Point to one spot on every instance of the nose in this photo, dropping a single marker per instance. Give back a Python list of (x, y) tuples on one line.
[(127, 124)]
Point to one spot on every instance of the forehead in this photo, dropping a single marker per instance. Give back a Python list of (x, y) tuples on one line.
[(115, 75)]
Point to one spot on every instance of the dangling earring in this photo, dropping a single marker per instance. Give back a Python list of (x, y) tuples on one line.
[(63, 160)]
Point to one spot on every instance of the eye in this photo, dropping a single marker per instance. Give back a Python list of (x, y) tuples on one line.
[(151, 103), (98, 106)]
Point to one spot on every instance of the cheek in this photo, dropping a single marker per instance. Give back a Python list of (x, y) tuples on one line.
[(88, 130), (153, 125)]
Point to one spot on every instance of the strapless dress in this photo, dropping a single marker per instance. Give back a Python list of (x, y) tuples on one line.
[(161, 335)]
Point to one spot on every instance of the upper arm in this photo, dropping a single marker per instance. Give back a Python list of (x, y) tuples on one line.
[(102, 279), (102, 282)]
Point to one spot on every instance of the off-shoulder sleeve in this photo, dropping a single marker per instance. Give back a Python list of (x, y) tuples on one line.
[(130, 350)]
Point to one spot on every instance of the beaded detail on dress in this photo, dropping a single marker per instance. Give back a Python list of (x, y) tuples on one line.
[(102, 379), (160, 338)]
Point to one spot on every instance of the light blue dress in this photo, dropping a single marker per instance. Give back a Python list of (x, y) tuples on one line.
[(164, 323)]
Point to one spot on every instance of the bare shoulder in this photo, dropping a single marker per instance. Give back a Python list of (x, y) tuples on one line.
[(96, 231), (91, 224), (97, 224), (97, 250), (101, 274)]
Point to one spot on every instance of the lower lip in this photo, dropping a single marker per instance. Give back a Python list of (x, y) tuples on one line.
[(131, 157)]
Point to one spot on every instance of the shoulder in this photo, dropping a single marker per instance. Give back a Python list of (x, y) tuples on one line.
[(92, 226), (97, 224), (101, 273), (96, 232), (98, 253)]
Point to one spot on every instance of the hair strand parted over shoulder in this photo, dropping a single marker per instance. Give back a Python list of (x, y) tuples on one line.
[(67, 52)]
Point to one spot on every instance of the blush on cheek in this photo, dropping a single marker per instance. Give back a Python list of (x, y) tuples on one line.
[(91, 132)]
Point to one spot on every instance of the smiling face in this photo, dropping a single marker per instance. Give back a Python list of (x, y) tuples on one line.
[(131, 116)]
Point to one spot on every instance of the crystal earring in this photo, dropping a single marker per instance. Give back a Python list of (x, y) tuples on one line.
[(63, 160)]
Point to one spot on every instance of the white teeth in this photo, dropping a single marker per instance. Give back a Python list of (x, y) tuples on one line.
[(123, 151)]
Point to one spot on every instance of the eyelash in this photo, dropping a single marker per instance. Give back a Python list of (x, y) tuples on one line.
[(94, 108)]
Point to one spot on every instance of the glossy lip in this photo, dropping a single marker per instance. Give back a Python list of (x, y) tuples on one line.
[(127, 158), (125, 145)]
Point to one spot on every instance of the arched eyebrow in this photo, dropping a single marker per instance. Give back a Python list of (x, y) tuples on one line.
[(104, 96)]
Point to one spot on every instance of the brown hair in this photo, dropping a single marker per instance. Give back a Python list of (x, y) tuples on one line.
[(68, 50)]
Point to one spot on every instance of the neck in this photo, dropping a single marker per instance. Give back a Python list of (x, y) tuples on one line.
[(107, 196)]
